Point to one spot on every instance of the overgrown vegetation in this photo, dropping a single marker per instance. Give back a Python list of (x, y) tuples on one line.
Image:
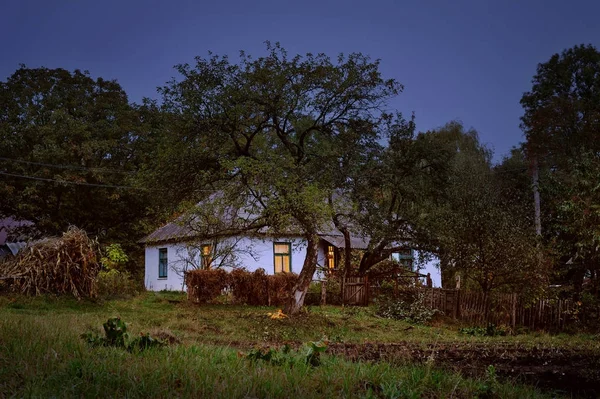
[(116, 335), (491, 330), (39, 357), (410, 306)]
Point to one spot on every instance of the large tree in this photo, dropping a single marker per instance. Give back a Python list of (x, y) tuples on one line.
[(483, 230), (561, 123), (69, 153), (264, 126)]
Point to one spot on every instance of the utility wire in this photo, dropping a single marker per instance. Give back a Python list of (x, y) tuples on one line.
[(98, 170), (72, 182), (88, 184)]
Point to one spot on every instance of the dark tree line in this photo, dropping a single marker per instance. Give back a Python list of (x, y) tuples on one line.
[(303, 144)]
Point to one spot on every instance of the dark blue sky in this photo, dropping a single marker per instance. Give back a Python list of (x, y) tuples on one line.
[(466, 60)]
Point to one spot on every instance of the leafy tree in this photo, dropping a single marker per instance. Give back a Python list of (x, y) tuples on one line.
[(484, 232), (69, 153), (561, 123), (262, 128)]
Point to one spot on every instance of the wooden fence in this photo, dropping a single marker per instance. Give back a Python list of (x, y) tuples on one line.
[(475, 308)]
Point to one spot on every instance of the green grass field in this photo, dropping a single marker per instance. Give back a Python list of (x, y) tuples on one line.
[(42, 354)]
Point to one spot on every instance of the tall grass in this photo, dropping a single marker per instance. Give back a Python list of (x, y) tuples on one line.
[(42, 355)]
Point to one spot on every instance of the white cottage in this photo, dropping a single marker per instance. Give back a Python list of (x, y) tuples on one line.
[(173, 249)]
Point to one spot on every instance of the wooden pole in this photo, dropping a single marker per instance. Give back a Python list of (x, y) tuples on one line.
[(323, 293)]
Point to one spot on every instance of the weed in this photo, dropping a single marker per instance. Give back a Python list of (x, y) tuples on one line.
[(490, 331), (115, 331)]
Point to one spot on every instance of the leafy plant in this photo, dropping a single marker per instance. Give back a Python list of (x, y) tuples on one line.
[(490, 331), (115, 331), (413, 310), (489, 388), (313, 355), (115, 258), (143, 342)]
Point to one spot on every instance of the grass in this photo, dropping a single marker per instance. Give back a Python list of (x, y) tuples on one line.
[(42, 355)]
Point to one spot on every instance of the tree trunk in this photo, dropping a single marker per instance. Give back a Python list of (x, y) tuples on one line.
[(305, 277)]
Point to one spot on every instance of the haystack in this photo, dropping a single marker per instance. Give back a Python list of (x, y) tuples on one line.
[(60, 265)]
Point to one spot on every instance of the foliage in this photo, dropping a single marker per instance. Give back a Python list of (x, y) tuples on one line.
[(412, 310), (116, 335), (76, 140), (313, 354), (115, 258), (66, 265), (560, 123), (483, 231), (311, 357), (116, 284), (263, 131), (273, 356), (490, 386), (490, 331)]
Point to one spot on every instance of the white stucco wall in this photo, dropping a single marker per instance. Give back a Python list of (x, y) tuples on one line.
[(252, 253)]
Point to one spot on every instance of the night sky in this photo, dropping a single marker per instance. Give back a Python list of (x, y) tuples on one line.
[(465, 60)]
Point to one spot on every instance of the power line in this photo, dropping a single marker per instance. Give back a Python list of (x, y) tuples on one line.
[(98, 170), (72, 182)]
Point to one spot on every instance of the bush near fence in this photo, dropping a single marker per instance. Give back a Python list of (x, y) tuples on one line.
[(257, 288)]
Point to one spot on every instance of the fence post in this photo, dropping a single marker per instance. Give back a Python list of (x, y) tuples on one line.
[(457, 304), (513, 314), (366, 290), (323, 293), (343, 290)]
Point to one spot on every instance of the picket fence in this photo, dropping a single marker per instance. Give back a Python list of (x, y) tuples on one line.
[(474, 308)]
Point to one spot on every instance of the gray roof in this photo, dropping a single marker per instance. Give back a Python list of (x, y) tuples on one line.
[(339, 242), (170, 232)]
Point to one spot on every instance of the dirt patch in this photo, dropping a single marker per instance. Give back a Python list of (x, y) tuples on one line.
[(576, 372)]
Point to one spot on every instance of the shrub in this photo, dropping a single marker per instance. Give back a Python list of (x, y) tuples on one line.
[(257, 288), (249, 288), (115, 257), (206, 285), (115, 284), (410, 307), (279, 288)]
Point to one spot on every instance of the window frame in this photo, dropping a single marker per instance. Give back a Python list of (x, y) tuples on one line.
[(282, 255), (164, 266)]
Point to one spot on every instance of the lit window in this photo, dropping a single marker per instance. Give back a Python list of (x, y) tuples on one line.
[(162, 263), (331, 260), (282, 257), (206, 257)]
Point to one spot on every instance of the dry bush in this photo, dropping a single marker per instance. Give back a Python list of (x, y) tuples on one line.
[(257, 288), (250, 288), (280, 287), (60, 265), (206, 285)]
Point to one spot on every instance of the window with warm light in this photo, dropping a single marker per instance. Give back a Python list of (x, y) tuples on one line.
[(331, 258), (206, 256), (282, 257)]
